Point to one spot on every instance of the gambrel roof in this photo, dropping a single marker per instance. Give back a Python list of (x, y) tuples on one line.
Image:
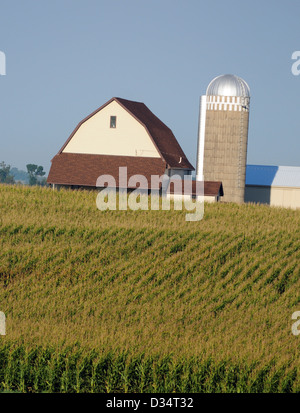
[(161, 136), (84, 169)]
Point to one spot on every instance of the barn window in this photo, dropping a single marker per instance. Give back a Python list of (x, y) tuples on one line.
[(113, 121)]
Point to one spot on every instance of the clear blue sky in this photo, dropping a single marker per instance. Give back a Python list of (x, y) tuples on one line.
[(65, 58)]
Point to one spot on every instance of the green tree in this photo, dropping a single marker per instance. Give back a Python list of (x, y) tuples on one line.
[(5, 176), (35, 172)]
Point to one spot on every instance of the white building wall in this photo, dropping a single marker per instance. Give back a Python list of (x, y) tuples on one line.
[(205, 198), (287, 197), (201, 139), (129, 138)]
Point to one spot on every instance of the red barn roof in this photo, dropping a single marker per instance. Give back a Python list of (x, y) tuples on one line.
[(210, 188), (84, 169), (162, 137)]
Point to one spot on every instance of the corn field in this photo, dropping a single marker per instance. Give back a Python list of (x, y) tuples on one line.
[(143, 301), (76, 371)]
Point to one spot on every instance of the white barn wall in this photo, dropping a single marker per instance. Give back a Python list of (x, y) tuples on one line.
[(129, 138), (181, 197)]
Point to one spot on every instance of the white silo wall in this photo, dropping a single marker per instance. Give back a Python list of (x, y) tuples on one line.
[(201, 139)]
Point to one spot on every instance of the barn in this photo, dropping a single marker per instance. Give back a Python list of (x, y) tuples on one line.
[(273, 185), (121, 133)]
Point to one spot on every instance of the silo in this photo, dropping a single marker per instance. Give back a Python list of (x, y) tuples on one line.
[(223, 135)]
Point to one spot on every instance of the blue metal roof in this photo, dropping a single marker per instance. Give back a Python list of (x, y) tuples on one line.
[(265, 175)]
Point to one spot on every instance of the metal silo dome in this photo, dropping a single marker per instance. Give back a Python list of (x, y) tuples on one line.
[(228, 85)]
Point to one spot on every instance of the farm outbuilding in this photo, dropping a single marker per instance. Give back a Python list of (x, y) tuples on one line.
[(273, 185), (213, 190), (121, 133)]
